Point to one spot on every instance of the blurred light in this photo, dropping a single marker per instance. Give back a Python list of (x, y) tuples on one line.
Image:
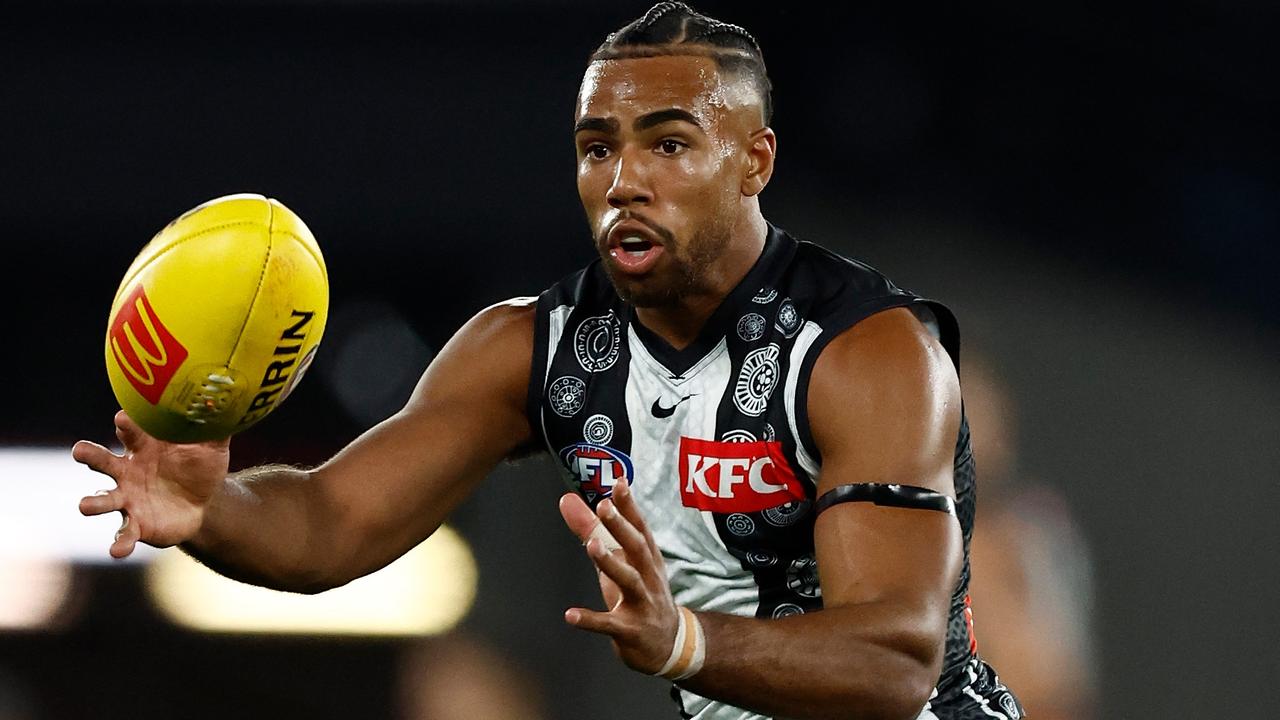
[(40, 518), (33, 591), (376, 360), (427, 591)]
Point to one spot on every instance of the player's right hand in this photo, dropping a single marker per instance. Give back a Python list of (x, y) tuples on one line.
[(162, 489)]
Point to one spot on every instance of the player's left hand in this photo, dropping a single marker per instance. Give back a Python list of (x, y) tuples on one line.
[(642, 619)]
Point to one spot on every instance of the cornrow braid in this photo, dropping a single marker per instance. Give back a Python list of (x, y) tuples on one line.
[(673, 28)]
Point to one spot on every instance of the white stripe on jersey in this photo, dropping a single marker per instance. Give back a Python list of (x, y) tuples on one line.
[(808, 334), (555, 327)]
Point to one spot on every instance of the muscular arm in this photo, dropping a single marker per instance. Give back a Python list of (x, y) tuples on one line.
[(884, 406), (308, 531)]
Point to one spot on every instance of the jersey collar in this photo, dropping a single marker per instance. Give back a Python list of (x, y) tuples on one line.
[(763, 277)]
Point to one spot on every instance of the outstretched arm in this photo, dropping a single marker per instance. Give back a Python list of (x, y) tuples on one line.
[(310, 530), (884, 406)]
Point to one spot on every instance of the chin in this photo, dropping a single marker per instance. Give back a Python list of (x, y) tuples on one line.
[(643, 293), (643, 299)]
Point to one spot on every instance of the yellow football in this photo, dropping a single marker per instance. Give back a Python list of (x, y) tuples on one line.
[(217, 319)]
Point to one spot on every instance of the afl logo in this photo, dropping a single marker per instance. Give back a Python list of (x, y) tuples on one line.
[(756, 380), (595, 469), (802, 577), (738, 436), (787, 514), (597, 341), (598, 430), (761, 559), (566, 395), (788, 318), (765, 296), (751, 327)]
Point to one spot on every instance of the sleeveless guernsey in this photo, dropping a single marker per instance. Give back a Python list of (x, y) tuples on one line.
[(715, 440)]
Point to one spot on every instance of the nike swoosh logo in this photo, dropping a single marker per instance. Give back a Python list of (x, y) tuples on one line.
[(661, 412)]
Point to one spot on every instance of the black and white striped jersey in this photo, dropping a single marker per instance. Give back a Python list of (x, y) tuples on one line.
[(715, 441)]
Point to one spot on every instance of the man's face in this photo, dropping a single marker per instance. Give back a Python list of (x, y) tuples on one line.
[(661, 150)]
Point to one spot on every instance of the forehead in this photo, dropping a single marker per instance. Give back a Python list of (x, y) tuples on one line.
[(634, 86)]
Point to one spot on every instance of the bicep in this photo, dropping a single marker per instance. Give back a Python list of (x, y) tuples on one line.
[(884, 407), (397, 482)]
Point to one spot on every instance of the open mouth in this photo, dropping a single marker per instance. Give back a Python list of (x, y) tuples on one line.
[(633, 247)]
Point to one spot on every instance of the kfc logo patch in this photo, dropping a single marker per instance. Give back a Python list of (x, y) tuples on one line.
[(596, 468), (736, 477)]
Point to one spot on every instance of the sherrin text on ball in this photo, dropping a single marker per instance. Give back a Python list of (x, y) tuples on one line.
[(217, 319)]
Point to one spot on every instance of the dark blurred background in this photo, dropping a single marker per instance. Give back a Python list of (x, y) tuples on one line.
[(1094, 190)]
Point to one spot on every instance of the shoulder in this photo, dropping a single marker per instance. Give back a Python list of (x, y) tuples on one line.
[(891, 351), (507, 320), (886, 387), (891, 346), (478, 377), (496, 342)]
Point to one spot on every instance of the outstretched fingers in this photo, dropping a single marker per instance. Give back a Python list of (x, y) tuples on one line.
[(106, 462), (614, 565), (126, 538), (577, 516), (626, 503), (98, 458), (642, 618), (104, 501), (624, 531), (130, 434), (619, 575), (605, 623)]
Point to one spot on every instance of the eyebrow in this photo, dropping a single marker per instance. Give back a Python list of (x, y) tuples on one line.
[(653, 119), (604, 125), (611, 126)]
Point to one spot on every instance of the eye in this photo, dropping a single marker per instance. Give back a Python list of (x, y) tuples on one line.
[(596, 151), (670, 146)]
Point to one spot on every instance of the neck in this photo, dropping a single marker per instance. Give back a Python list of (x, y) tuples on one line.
[(679, 323)]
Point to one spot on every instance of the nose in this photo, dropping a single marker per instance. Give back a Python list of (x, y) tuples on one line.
[(628, 186)]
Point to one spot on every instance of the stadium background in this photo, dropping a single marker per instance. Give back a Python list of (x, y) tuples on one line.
[(1094, 191)]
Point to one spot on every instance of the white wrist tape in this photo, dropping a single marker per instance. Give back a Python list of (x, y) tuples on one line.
[(689, 651)]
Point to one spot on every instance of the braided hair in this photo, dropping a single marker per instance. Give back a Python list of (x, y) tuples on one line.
[(673, 28)]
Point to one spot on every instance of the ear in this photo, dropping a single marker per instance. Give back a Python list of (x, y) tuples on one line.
[(760, 153)]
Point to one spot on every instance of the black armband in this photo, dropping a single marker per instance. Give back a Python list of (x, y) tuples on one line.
[(902, 496)]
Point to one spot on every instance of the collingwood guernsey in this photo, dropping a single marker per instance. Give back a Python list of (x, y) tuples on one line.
[(714, 439)]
